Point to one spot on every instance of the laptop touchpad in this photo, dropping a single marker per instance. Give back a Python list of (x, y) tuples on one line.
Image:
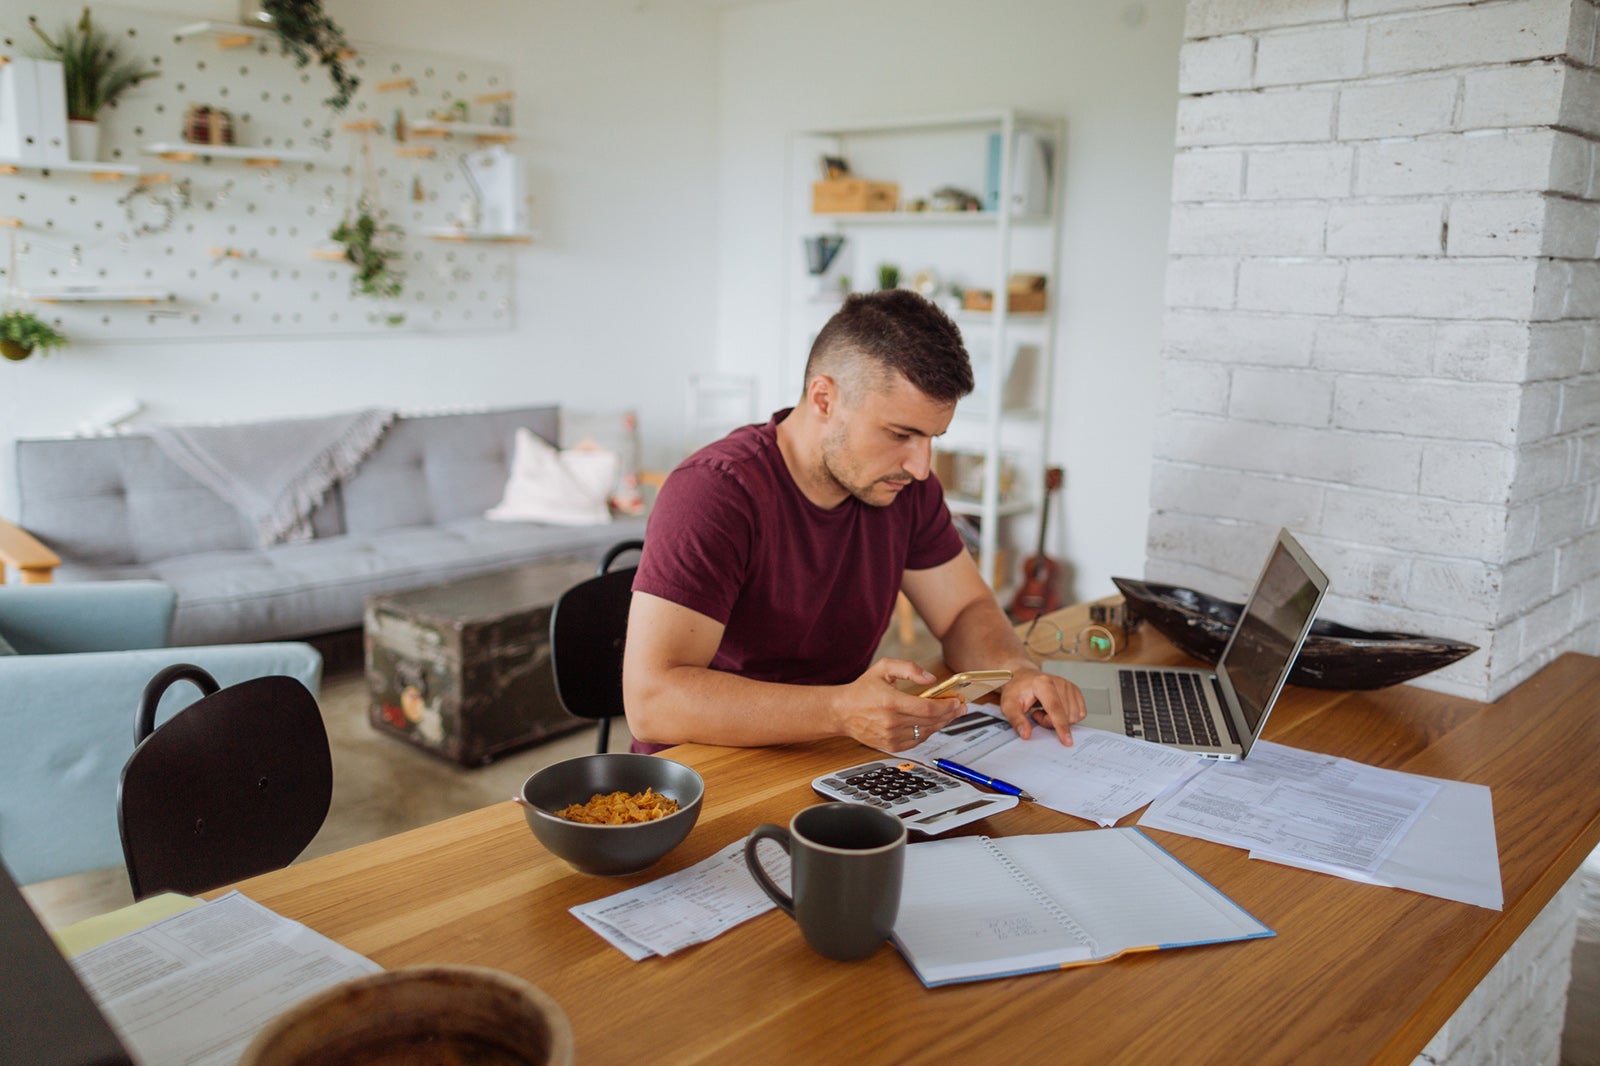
[(1098, 701)]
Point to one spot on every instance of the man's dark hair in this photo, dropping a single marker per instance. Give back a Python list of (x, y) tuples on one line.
[(893, 330)]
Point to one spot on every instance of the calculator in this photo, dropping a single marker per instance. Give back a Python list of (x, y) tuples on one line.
[(928, 801)]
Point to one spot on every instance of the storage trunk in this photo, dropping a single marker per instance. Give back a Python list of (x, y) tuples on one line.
[(462, 669)]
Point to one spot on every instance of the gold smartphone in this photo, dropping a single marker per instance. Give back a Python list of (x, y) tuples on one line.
[(969, 685)]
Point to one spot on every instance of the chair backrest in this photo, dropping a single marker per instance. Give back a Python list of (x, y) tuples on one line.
[(231, 786), (588, 626)]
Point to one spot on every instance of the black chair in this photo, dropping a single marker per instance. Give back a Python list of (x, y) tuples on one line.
[(231, 786), (587, 628)]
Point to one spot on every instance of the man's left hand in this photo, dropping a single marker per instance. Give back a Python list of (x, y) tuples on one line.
[(1033, 694)]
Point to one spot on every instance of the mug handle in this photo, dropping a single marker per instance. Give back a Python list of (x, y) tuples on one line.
[(780, 836)]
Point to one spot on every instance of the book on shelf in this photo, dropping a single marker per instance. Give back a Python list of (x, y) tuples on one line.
[(974, 908)]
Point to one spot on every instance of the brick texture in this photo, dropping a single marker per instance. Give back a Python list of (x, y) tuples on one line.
[(1383, 325)]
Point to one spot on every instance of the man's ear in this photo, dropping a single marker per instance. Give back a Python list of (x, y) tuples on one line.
[(822, 393)]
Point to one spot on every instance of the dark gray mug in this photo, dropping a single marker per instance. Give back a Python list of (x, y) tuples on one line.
[(846, 863)]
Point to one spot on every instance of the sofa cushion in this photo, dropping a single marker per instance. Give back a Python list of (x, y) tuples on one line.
[(571, 487), (440, 468)]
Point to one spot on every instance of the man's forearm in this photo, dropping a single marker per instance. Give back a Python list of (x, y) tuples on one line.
[(696, 703), (981, 638)]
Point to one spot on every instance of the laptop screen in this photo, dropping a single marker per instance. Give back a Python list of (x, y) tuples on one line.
[(1274, 623)]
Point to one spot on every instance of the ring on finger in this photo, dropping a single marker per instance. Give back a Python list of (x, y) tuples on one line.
[(916, 732)]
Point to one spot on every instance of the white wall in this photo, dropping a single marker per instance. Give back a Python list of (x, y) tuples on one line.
[(614, 304), (1110, 70)]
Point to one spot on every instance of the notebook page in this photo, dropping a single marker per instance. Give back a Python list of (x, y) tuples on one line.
[(964, 913), (1128, 892)]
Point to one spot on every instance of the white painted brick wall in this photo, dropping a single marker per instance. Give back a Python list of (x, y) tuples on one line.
[(1322, 171), (1371, 229), (1216, 64), (1202, 281), (1481, 351), (1498, 225), (1237, 337), (1275, 116), (1384, 316), (1571, 228), (1480, 35), (1388, 346), (1518, 161), (1398, 108), (1441, 288), (1207, 175), (1296, 286), (1320, 53), (1503, 97)]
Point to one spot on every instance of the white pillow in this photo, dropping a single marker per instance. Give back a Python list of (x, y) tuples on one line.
[(565, 488)]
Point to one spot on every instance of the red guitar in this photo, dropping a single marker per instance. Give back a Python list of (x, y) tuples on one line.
[(1039, 594)]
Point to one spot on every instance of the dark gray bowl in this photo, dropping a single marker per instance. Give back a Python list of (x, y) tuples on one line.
[(610, 850)]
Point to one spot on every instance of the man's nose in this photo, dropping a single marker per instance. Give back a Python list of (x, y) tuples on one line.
[(920, 463)]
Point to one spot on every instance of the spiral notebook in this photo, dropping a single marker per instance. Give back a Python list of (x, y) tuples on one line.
[(978, 907)]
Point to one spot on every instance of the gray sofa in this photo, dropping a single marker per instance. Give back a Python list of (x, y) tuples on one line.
[(410, 515)]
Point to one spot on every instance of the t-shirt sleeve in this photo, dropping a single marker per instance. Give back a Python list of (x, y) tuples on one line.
[(697, 545), (935, 540)]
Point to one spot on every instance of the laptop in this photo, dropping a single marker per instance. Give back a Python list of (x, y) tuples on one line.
[(1219, 713)]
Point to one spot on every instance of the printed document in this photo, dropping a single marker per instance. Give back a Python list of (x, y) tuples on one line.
[(196, 987), (1102, 777), (693, 905)]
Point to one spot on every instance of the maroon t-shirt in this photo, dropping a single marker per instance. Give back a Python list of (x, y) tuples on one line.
[(805, 594)]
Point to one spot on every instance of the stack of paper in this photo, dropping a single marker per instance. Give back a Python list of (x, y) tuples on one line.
[(1320, 812)]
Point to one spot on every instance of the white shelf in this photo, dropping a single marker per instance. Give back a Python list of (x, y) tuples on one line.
[(973, 508), (87, 294), (181, 151), (450, 233), (106, 171), (227, 34), (925, 218), (427, 127)]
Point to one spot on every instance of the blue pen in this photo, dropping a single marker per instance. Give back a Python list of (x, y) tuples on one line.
[(969, 774)]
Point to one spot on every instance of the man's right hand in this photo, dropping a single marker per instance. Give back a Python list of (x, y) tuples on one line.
[(875, 711)]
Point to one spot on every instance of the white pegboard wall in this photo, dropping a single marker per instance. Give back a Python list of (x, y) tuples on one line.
[(233, 244)]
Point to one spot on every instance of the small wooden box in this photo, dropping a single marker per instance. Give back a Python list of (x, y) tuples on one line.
[(852, 194), (983, 300), (462, 669)]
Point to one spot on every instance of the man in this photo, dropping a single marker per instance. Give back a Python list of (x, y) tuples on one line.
[(773, 558)]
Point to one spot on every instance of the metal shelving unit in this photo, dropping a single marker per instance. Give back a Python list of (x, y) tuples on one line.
[(985, 247)]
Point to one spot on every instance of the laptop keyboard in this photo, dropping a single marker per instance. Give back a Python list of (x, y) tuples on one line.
[(1169, 707)]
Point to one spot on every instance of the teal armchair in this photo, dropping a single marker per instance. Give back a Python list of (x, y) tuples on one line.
[(79, 658)]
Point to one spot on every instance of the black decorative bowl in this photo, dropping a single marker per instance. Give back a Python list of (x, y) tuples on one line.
[(1333, 656)]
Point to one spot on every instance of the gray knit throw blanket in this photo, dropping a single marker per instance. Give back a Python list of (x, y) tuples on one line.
[(275, 473)]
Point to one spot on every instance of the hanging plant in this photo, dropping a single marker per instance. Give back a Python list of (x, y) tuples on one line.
[(363, 241), (95, 73), (305, 31), (22, 331)]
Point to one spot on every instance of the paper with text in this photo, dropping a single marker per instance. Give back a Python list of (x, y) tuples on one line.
[(1102, 776), (1299, 805), (195, 988), (691, 906)]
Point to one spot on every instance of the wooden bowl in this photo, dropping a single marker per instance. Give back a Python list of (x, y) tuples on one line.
[(1334, 656), (416, 1015)]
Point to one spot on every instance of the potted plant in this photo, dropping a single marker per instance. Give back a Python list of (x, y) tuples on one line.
[(96, 74), (375, 274), (305, 31), (22, 331)]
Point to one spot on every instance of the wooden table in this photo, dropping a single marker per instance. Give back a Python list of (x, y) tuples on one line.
[(1356, 973)]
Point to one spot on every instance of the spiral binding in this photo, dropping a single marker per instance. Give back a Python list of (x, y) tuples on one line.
[(1049, 904)]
